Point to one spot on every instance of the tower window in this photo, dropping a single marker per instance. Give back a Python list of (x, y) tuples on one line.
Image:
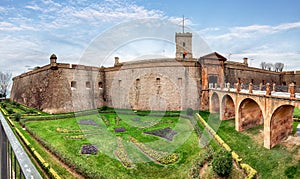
[(183, 44), (88, 84), (73, 84), (100, 85)]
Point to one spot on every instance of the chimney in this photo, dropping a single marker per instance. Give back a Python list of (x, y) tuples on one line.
[(116, 60), (245, 61)]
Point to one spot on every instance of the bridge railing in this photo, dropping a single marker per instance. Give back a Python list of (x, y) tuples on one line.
[(268, 89), (15, 162)]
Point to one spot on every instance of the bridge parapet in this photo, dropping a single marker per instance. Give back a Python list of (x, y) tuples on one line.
[(265, 90)]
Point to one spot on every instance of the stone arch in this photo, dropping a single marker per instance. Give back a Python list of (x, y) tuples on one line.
[(250, 114), (227, 108), (215, 103), (281, 124)]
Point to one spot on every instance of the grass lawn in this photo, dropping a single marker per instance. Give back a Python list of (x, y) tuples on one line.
[(185, 143), (249, 145)]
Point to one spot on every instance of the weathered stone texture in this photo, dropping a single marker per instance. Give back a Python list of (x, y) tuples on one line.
[(281, 124), (248, 75), (154, 85), (250, 114), (50, 90), (47, 90)]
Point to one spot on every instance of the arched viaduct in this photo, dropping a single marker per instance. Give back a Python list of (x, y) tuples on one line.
[(274, 111)]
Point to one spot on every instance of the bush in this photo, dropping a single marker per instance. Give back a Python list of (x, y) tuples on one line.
[(10, 111), (189, 111), (103, 108), (222, 163), (3, 105), (17, 116), (30, 111), (290, 171)]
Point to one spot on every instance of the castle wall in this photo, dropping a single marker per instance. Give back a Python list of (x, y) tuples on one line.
[(50, 89), (291, 77), (153, 85), (46, 90), (158, 84), (248, 74)]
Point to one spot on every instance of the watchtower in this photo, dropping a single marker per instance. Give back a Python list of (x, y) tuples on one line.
[(183, 45)]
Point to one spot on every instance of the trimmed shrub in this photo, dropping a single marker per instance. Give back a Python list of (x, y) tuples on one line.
[(105, 120), (3, 105), (222, 163), (29, 111), (17, 117), (103, 108), (189, 111), (10, 111)]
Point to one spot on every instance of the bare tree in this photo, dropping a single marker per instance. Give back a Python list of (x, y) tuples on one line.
[(4, 83), (269, 66), (263, 65), (278, 67)]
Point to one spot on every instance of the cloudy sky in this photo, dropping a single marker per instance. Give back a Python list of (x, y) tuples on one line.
[(262, 30)]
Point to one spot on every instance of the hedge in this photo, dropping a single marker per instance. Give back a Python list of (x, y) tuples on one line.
[(249, 171)]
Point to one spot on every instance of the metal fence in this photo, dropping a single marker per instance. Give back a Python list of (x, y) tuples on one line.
[(15, 162)]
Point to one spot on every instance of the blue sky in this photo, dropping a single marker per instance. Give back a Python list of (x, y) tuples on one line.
[(262, 30)]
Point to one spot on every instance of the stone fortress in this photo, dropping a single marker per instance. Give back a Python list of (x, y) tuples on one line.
[(153, 84)]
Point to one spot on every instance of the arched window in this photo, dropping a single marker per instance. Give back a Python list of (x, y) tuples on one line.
[(157, 81), (88, 84), (100, 84)]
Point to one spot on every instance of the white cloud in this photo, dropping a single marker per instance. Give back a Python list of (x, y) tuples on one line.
[(267, 43)]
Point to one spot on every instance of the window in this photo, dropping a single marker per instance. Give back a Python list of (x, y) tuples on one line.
[(73, 84), (157, 81), (100, 85), (88, 84), (212, 79), (183, 44), (180, 81), (120, 81), (252, 81), (137, 83)]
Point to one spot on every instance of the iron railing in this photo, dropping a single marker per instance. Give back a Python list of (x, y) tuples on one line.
[(14, 161)]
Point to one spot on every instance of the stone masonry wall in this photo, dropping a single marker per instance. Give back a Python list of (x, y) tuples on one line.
[(153, 85), (247, 74), (50, 89)]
